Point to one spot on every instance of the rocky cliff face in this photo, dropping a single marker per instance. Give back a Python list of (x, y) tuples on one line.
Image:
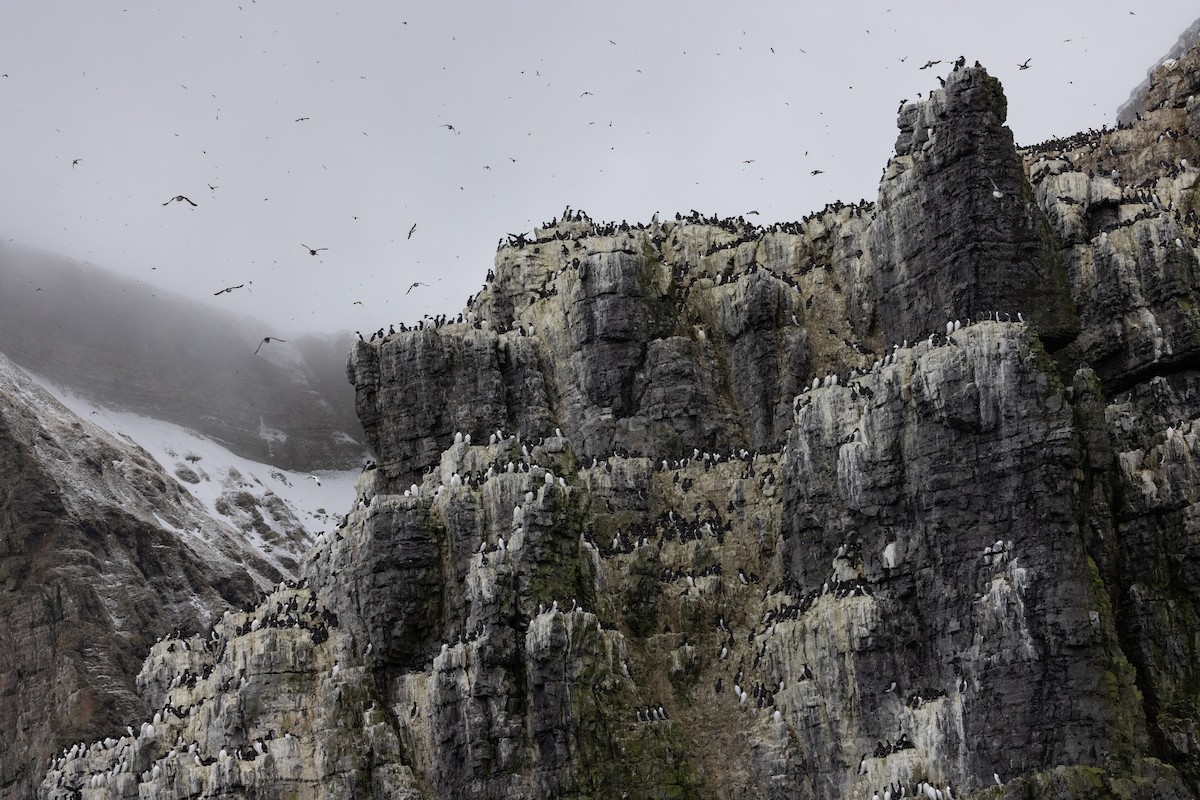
[(899, 495)]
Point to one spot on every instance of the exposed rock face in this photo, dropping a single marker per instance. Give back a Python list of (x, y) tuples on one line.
[(642, 342), (666, 564), (955, 236), (99, 549)]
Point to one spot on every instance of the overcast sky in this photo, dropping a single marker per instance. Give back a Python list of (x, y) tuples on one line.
[(618, 108)]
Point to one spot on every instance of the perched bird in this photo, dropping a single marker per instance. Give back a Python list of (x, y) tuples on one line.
[(265, 340), (996, 193), (312, 251), (179, 198), (414, 285)]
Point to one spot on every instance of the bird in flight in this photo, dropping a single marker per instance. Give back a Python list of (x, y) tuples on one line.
[(449, 127), (410, 230), (267, 339), (818, 171), (414, 285), (1025, 65), (179, 198), (312, 251), (748, 161), (75, 162), (301, 119), (228, 289), (315, 478), (585, 93), (929, 64)]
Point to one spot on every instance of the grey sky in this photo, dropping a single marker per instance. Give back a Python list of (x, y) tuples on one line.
[(619, 108)]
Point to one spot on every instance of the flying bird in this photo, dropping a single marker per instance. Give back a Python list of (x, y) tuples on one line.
[(1025, 65), (414, 285), (178, 198), (817, 172), (301, 119), (410, 230), (228, 289), (929, 64), (265, 340), (449, 127), (747, 160), (312, 251), (315, 478), (75, 162), (585, 93)]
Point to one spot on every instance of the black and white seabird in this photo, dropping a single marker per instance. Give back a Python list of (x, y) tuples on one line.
[(414, 285), (312, 251), (267, 339), (179, 198)]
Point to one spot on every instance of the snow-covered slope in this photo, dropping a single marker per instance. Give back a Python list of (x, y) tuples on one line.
[(279, 511)]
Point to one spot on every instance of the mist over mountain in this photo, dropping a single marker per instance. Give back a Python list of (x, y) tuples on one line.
[(138, 348)]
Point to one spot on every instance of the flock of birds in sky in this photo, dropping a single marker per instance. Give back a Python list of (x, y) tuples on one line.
[(314, 251)]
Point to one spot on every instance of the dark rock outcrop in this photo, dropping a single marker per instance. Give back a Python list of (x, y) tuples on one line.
[(955, 234)]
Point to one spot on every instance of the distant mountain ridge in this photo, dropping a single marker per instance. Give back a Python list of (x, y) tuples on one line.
[(139, 348)]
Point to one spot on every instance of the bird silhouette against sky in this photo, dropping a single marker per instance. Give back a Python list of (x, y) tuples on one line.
[(267, 340)]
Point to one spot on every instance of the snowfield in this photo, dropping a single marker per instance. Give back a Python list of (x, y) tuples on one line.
[(279, 511)]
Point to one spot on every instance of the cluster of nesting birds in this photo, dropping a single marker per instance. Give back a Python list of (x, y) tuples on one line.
[(291, 614), (554, 231), (67, 770)]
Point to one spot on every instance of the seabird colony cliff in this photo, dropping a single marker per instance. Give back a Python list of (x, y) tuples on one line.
[(902, 494)]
